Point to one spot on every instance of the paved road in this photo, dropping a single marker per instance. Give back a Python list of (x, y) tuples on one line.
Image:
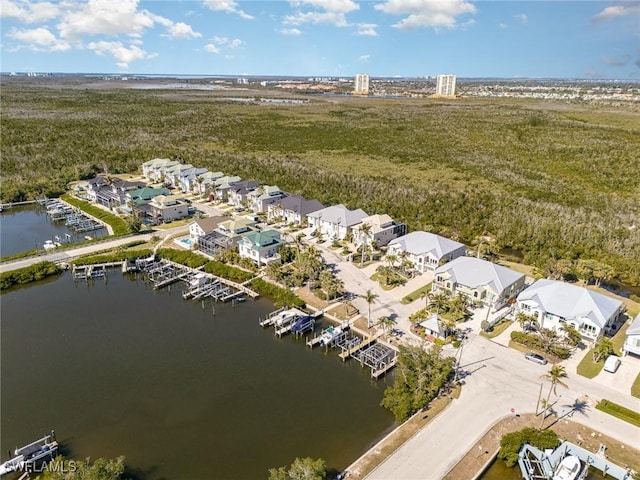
[(71, 253), (501, 379)]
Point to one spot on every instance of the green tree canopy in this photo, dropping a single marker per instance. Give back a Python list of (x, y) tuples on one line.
[(301, 469)]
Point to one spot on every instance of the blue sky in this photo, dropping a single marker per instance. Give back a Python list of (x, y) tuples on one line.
[(577, 39)]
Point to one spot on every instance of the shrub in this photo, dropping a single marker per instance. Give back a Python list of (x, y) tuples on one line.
[(511, 443), (183, 257), (623, 413), (220, 269), (119, 225), (114, 257), (28, 274), (280, 296)]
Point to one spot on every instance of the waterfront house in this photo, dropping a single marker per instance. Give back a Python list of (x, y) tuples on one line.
[(554, 303), (383, 229), (166, 208), (204, 226), (335, 221), (227, 234), (293, 209), (261, 247), (480, 281), (238, 195), (427, 251), (173, 174), (264, 196), (632, 341)]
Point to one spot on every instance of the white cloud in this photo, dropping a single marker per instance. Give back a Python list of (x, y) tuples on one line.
[(366, 29), (332, 12), (235, 43), (609, 13), (39, 39), (28, 12), (426, 13), (229, 6), (522, 18), (364, 58), (182, 31), (502, 25), (106, 17), (225, 41), (290, 31), (211, 48), (123, 55)]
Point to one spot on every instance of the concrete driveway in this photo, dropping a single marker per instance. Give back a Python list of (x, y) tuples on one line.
[(623, 378)]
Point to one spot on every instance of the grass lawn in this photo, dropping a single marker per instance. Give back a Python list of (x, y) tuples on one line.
[(618, 411), (635, 388), (587, 367), (376, 278), (413, 296), (497, 329)]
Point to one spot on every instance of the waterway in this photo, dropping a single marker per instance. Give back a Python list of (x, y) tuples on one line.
[(27, 227), (117, 368)]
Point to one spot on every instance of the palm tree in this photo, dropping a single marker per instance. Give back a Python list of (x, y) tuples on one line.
[(555, 375), (439, 299), (385, 323), (370, 298), (365, 231), (297, 240), (391, 259)]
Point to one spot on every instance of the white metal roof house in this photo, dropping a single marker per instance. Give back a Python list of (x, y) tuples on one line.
[(293, 209), (262, 197), (632, 342), (335, 221), (427, 251), (554, 303), (383, 230), (479, 280)]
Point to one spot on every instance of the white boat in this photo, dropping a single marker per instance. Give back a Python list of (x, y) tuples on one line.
[(49, 245), (285, 318), (12, 465), (329, 335), (569, 468)]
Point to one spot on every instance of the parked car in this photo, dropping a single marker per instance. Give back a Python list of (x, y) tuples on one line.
[(535, 357), (611, 364)]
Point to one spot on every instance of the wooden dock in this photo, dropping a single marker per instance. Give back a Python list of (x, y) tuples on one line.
[(363, 344), (381, 371)]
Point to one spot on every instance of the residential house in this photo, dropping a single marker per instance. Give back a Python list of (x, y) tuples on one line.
[(383, 229), (110, 192), (434, 327), (261, 247), (427, 251), (335, 221), (152, 168), (555, 303), (480, 281), (206, 181), (188, 179), (204, 226), (223, 185), (227, 234), (166, 208), (293, 209), (264, 196), (238, 196), (145, 195), (632, 341), (173, 174)]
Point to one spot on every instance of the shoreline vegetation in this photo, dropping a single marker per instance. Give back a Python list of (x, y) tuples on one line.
[(552, 183)]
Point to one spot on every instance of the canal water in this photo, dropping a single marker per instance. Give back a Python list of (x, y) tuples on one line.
[(27, 227), (183, 391)]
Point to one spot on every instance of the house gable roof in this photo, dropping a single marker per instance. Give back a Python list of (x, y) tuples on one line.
[(299, 204), (419, 243), (571, 301), (339, 214), (262, 239), (474, 273), (209, 224), (634, 328)]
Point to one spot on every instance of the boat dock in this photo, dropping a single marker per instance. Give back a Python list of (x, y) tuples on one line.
[(329, 337), (378, 357), (25, 458), (87, 272), (200, 285), (358, 343)]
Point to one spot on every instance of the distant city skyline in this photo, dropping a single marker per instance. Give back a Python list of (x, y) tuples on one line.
[(318, 38)]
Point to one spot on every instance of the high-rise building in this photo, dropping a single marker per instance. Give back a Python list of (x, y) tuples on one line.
[(362, 84), (446, 85)]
